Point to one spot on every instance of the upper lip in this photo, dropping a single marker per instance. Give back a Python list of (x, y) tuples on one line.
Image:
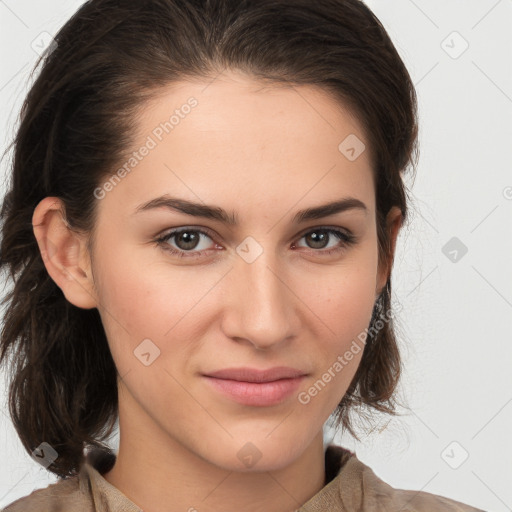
[(255, 375)]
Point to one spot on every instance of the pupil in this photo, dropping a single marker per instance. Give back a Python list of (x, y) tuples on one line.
[(319, 237), (187, 238)]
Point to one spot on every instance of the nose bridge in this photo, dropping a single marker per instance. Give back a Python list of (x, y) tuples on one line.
[(262, 304), (265, 284)]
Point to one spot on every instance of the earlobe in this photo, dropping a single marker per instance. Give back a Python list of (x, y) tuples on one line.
[(64, 253)]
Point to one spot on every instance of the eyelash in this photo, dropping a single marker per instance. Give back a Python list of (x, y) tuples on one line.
[(347, 239)]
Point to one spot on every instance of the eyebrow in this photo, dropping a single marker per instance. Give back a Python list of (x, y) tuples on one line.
[(230, 218)]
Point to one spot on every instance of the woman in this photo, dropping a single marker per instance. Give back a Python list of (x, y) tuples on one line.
[(201, 227)]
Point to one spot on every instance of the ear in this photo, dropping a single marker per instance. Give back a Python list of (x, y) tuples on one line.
[(393, 224), (64, 253)]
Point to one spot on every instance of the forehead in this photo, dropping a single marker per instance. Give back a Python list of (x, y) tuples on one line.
[(239, 138), (232, 102)]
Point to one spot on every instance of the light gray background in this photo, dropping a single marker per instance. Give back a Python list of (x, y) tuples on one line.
[(455, 325)]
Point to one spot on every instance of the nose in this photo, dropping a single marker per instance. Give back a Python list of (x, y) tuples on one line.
[(262, 308)]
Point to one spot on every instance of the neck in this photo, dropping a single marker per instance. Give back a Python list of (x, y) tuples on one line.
[(160, 476)]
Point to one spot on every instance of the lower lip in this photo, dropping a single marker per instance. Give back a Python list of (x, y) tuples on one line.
[(256, 393)]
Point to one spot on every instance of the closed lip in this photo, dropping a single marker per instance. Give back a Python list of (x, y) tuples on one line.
[(256, 375)]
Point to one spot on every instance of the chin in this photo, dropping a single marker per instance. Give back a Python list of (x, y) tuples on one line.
[(255, 452)]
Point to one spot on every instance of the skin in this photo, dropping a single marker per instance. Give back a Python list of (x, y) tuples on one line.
[(263, 153)]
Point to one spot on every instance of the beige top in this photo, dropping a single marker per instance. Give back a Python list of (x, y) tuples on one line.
[(351, 486)]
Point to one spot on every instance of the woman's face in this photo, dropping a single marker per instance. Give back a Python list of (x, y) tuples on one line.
[(271, 288)]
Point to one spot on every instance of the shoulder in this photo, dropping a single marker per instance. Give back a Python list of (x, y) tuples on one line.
[(357, 487), (376, 493), (66, 495)]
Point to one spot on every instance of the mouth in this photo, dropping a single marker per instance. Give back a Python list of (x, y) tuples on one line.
[(258, 394), (255, 375)]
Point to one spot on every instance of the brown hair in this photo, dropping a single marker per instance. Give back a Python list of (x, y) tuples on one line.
[(76, 124)]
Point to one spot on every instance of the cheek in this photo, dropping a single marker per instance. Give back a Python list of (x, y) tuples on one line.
[(141, 300), (343, 299), (342, 304), (350, 310), (345, 312)]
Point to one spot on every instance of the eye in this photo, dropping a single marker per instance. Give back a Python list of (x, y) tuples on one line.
[(188, 241), (318, 238)]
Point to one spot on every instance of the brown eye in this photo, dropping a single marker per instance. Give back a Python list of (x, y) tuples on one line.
[(319, 239), (185, 240)]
